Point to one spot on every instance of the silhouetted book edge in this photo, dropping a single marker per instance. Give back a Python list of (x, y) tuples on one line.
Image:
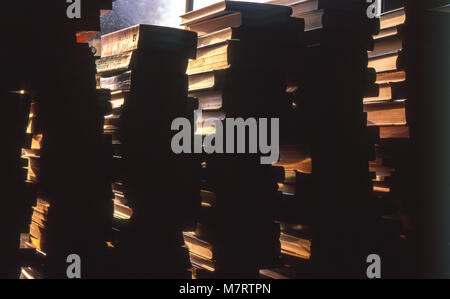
[(294, 245)]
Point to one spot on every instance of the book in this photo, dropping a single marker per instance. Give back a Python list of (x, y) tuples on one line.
[(384, 63), (206, 80), (197, 246), (121, 82), (387, 32), (392, 18), (115, 64), (296, 246), (154, 38), (390, 76), (395, 132), (385, 45), (256, 14), (386, 114)]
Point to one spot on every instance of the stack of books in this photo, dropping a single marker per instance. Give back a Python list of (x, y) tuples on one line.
[(384, 104), (243, 57), (338, 80), (145, 69), (16, 106), (384, 97), (68, 157), (387, 110), (32, 155)]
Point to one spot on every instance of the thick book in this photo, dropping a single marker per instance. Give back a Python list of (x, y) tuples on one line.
[(384, 63), (386, 114), (387, 45), (237, 54), (207, 80), (155, 38), (395, 132), (257, 14), (392, 18), (392, 76), (122, 211), (212, 58), (115, 83)]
